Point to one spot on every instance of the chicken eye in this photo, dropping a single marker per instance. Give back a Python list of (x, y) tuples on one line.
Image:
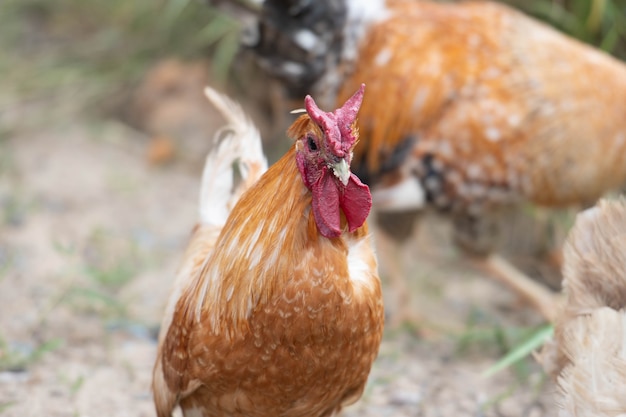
[(311, 143)]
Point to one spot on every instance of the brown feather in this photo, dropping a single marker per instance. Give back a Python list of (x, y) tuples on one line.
[(276, 314)]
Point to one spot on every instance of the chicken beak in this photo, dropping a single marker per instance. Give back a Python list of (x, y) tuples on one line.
[(342, 171)]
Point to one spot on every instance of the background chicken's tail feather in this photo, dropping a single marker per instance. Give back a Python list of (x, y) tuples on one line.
[(239, 151)]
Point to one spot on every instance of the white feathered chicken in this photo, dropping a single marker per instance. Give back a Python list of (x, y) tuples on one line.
[(588, 355)]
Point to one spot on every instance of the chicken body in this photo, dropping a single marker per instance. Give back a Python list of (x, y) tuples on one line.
[(471, 107), (588, 354), (497, 108), (275, 318)]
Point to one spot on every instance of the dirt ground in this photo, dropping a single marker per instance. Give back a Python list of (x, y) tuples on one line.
[(90, 237)]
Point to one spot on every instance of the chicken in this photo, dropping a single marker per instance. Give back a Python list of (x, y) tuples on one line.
[(277, 309), (472, 108), (588, 354)]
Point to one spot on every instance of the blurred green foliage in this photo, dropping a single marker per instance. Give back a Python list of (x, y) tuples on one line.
[(601, 23), (15, 359), (100, 47)]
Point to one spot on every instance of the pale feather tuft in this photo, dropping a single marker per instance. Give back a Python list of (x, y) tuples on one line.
[(588, 354), (238, 143), (594, 383)]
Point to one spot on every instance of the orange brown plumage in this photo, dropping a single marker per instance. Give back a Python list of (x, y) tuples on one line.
[(499, 100), (275, 319)]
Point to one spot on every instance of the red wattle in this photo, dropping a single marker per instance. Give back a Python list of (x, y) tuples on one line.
[(354, 199), (325, 205), (356, 202)]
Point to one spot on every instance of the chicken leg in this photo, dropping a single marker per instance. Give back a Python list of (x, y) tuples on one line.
[(539, 297)]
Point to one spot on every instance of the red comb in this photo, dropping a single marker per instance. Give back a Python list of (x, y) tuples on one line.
[(336, 125)]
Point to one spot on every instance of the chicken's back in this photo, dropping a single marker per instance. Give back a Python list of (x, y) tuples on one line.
[(487, 105)]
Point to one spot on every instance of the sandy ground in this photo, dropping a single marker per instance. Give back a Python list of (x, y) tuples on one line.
[(90, 238)]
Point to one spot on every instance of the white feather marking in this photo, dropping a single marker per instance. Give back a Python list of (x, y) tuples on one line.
[(252, 241), (514, 120), (408, 194), (305, 39), (474, 171), (234, 245), (229, 292), (255, 258), (361, 14), (359, 253), (270, 261), (292, 68), (383, 57), (493, 134), (281, 237), (211, 279)]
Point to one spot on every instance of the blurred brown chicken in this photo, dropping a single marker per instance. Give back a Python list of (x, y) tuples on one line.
[(471, 108), (588, 354), (277, 308)]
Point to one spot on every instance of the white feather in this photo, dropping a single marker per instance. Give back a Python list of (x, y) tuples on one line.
[(405, 195), (361, 14), (239, 143)]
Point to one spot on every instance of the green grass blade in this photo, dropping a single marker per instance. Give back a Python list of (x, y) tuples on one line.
[(519, 352), (224, 55)]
